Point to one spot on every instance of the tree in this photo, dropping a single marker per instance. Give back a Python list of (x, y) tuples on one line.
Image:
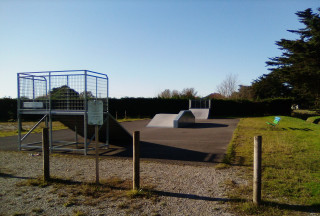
[(64, 92), (299, 64), (175, 94), (89, 95), (244, 92), (186, 93), (228, 86), (165, 94), (270, 86)]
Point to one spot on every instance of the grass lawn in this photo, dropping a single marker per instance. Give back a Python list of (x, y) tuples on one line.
[(131, 119), (11, 128), (290, 161)]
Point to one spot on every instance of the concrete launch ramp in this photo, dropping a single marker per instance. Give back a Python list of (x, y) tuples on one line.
[(201, 113), (162, 120), (185, 118), (117, 134)]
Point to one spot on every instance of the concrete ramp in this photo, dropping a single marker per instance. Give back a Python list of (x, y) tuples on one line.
[(201, 113), (162, 120), (185, 118), (117, 134)]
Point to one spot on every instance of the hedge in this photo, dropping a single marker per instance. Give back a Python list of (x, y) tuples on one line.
[(148, 107), (8, 109), (251, 108)]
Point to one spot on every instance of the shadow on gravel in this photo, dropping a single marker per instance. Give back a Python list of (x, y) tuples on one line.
[(6, 175), (195, 197)]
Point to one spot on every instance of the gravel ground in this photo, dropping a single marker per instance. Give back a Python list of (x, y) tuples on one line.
[(181, 189)]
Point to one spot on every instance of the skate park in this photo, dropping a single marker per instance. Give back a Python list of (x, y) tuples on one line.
[(205, 142), (189, 136)]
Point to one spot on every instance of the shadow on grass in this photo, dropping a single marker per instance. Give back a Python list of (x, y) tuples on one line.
[(264, 204), (296, 129), (300, 129), (301, 208)]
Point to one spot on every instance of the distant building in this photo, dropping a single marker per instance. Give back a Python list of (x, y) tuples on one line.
[(215, 96)]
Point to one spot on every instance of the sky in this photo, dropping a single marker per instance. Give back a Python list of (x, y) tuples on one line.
[(145, 46)]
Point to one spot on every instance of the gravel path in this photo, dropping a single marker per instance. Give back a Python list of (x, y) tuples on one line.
[(181, 189)]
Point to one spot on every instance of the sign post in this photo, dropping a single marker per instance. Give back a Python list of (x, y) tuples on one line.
[(95, 117)]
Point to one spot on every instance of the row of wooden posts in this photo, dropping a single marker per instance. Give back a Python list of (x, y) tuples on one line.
[(136, 158), (136, 162)]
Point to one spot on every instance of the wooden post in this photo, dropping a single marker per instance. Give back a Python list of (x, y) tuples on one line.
[(257, 170), (76, 134), (136, 160), (45, 152), (97, 153)]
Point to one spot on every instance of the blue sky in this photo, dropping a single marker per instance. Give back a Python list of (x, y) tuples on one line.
[(145, 46)]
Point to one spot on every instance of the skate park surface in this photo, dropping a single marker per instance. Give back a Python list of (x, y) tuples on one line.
[(206, 141)]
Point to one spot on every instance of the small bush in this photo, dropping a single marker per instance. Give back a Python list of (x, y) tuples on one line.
[(314, 119), (303, 114)]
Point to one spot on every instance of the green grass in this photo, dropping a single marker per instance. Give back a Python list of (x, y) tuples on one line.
[(291, 165), (11, 128), (130, 119)]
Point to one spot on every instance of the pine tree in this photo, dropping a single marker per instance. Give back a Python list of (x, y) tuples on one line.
[(299, 65)]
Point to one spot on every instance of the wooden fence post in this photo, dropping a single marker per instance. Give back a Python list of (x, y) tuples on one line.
[(257, 170), (136, 160), (45, 152), (97, 153)]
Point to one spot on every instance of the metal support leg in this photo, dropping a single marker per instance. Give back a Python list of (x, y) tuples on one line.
[(19, 131), (50, 133), (85, 131)]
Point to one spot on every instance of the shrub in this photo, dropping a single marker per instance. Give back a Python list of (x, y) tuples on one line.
[(314, 119)]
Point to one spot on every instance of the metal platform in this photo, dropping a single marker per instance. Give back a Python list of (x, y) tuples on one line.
[(55, 94)]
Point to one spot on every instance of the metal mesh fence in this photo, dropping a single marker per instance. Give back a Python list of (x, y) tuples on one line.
[(66, 90), (199, 104)]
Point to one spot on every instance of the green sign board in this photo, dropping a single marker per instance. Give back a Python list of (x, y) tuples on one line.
[(95, 112)]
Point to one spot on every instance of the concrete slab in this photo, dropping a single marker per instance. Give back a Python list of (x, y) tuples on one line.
[(207, 141)]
